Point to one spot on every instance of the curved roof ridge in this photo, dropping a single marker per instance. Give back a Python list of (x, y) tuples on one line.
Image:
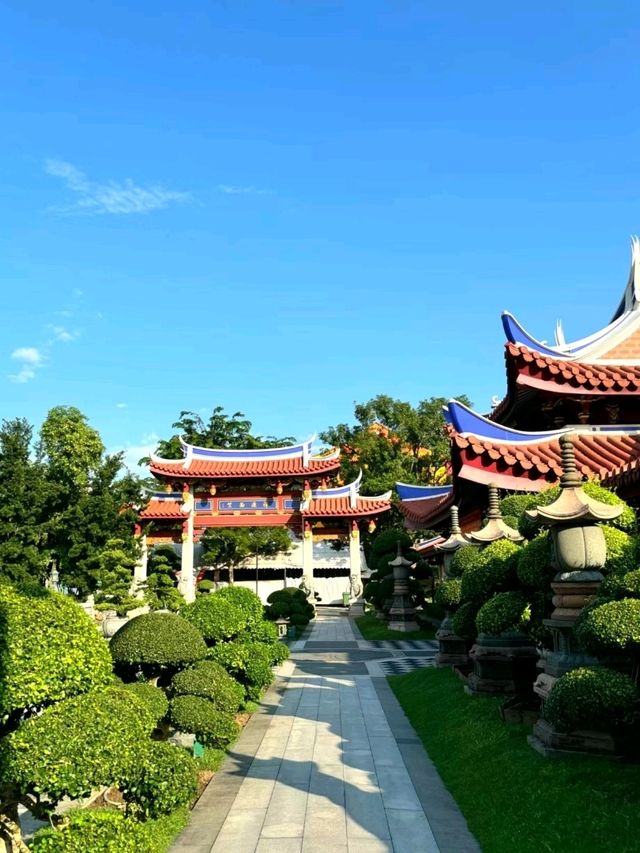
[(414, 492), (338, 491), (467, 422), (194, 451)]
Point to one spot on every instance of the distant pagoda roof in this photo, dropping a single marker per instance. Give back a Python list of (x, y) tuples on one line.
[(422, 502), (296, 460), (345, 501), (617, 343), (164, 506)]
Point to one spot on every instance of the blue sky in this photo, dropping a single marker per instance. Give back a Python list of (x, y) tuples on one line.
[(286, 207)]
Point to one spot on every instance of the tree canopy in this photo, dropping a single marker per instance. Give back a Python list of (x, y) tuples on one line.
[(231, 546)]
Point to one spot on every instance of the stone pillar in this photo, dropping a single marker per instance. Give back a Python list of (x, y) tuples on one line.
[(401, 615), (187, 585), (355, 571), (307, 560), (140, 569)]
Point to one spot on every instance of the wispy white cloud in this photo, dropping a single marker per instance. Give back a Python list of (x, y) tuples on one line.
[(134, 452), (65, 336), (29, 359), (121, 405), (112, 197), (233, 189)]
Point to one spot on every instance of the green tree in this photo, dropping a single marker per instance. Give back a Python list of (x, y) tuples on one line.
[(23, 552), (162, 592), (72, 449), (229, 547), (220, 430)]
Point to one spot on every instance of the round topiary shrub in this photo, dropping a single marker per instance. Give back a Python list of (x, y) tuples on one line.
[(612, 628), (493, 573), (534, 567), (158, 639), (464, 621), (448, 593), (622, 551), (49, 650), (201, 717), (205, 586), (513, 508), (505, 611), (248, 602), (153, 697), (249, 663), (167, 779), (263, 632), (217, 618), (278, 651), (615, 587), (463, 559), (78, 744), (590, 698), (210, 680), (287, 593), (96, 831)]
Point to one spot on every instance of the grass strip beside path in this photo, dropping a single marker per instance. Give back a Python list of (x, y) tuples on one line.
[(514, 800), (373, 628)]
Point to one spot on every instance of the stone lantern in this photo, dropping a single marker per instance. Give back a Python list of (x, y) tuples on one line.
[(578, 553), (282, 624), (495, 527), (401, 614), (454, 650)]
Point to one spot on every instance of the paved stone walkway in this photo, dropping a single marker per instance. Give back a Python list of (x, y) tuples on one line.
[(330, 764)]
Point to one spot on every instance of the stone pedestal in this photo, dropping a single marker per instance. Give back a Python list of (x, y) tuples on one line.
[(565, 656), (401, 612), (454, 650), (552, 744), (502, 665)]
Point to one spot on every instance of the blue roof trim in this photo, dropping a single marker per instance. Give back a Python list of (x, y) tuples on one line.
[(338, 491), (517, 335), (408, 492), (466, 421), (247, 455)]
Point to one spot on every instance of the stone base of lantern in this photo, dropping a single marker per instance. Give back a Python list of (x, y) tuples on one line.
[(454, 650), (402, 622), (356, 608), (503, 665), (564, 657), (552, 744)]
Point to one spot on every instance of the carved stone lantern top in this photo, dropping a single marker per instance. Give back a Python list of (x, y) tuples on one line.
[(456, 538), (400, 560), (495, 527), (573, 505)]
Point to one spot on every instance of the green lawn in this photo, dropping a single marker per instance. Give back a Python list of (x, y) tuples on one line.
[(514, 800), (373, 628)]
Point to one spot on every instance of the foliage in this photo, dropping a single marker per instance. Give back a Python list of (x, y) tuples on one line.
[(590, 698), (463, 559), (161, 592), (279, 652), (534, 567), (78, 744), (384, 549), (221, 430), (626, 521), (373, 628), (230, 546), (464, 620), (513, 509), (71, 447), (23, 540), (95, 831), (513, 799), (291, 603), (166, 779), (49, 650), (246, 600), (248, 663), (505, 611), (263, 631), (205, 586), (620, 586), (159, 639), (154, 698), (448, 593), (201, 717), (211, 681), (611, 628), (622, 551), (115, 572), (494, 572), (393, 441), (217, 618)]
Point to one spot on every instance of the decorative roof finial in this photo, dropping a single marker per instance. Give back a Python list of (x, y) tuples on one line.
[(495, 527), (455, 520), (457, 539), (571, 477)]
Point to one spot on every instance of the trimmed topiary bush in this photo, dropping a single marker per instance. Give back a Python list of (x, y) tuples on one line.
[(448, 593), (464, 621), (292, 603), (616, 587), (249, 663), (626, 521), (278, 651), (612, 628), (96, 831), (463, 559), (153, 697), (158, 639), (205, 586), (622, 551), (201, 717), (49, 650), (534, 563), (493, 573), (590, 698), (513, 508), (218, 619), (505, 611), (78, 744), (210, 680), (263, 632), (167, 779), (248, 602)]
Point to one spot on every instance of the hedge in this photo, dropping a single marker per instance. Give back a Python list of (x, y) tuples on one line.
[(160, 639), (217, 618), (167, 779), (248, 602), (620, 586), (626, 520), (493, 573), (534, 567), (464, 621), (249, 663), (590, 698), (154, 697), (78, 744), (96, 831), (448, 593), (201, 717), (210, 680), (49, 650), (505, 611), (463, 559), (263, 632), (622, 551), (611, 628)]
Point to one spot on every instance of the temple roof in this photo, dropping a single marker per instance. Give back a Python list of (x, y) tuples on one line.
[(164, 506), (214, 463), (616, 343), (435, 507), (345, 501)]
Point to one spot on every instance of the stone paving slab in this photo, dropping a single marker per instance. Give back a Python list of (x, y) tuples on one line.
[(330, 764)]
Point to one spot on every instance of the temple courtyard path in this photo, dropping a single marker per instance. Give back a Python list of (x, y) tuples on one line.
[(330, 762)]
